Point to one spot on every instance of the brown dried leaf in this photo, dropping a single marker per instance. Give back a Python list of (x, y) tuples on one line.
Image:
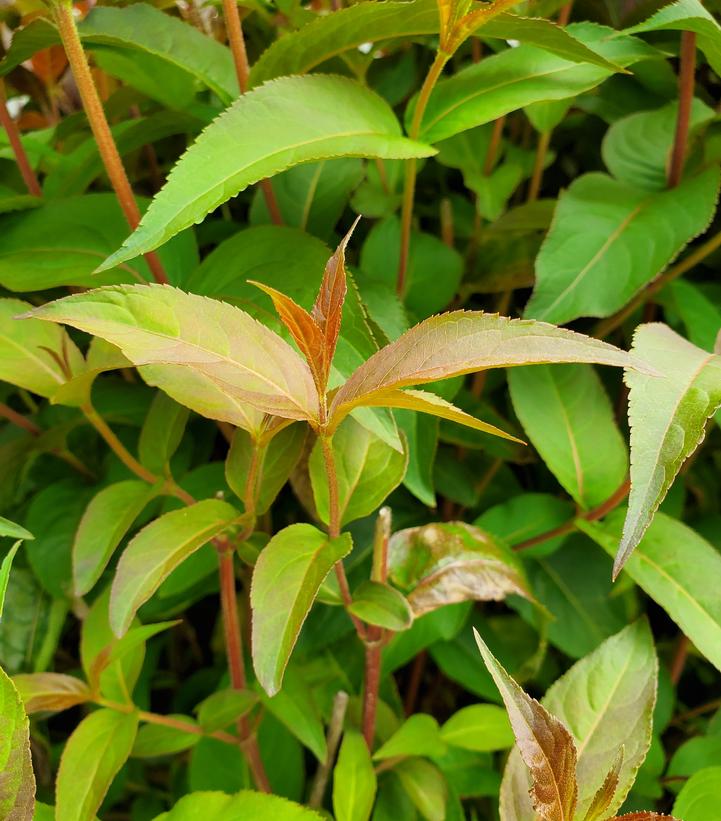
[(42, 692), (449, 562), (461, 342), (546, 746), (607, 790), (328, 307)]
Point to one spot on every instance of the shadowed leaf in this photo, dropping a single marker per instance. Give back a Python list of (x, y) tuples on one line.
[(545, 745)]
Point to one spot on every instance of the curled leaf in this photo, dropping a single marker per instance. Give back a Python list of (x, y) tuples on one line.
[(44, 692)]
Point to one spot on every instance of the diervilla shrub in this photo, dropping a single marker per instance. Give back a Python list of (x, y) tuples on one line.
[(291, 533)]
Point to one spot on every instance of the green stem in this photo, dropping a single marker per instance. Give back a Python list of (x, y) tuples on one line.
[(409, 184)]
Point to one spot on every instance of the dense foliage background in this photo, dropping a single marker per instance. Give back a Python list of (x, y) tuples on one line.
[(544, 160)]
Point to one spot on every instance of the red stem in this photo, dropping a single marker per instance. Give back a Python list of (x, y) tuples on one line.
[(236, 663), (99, 125), (21, 158), (686, 82)]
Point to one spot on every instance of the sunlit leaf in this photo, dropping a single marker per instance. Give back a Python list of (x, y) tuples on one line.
[(283, 123), (439, 564), (5, 568), (354, 780), (217, 806), (667, 416), (94, 753), (17, 784), (382, 605), (543, 742), (606, 700), (698, 799), (287, 575), (418, 735), (206, 354), (158, 549), (155, 740), (224, 707), (12, 530), (479, 727)]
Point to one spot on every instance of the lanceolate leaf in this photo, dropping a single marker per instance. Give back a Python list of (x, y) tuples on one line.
[(675, 579), (158, 549), (43, 692), (465, 341), (283, 123), (330, 35), (606, 700), (14, 531), (564, 410), (105, 522), (439, 564), (517, 77), (5, 568), (668, 417), (17, 782), (544, 743), (91, 759), (286, 579), (206, 354), (354, 780), (608, 240), (36, 357), (217, 806), (426, 402)]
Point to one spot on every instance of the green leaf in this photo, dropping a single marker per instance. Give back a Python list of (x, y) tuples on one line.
[(142, 28), (608, 240), (42, 692), (461, 342), (667, 416), (480, 727), (17, 785), (224, 707), (270, 462), (158, 549), (543, 742), (676, 580), (688, 15), (606, 700), (354, 780), (425, 785), (604, 795), (155, 740), (12, 530), (438, 564), (367, 470), (218, 368), (5, 571), (418, 735), (565, 412), (92, 757), (283, 123), (517, 77), (637, 148), (118, 649), (382, 605), (217, 806), (329, 35), (698, 799), (105, 522), (34, 356), (287, 575), (52, 245), (161, 433)]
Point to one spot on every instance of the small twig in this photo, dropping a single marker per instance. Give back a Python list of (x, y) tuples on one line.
[(679, 659), (335, 731), (493, 146), (414, 684), (19, 420), (591, 516), (534, 187), (565, 14)]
